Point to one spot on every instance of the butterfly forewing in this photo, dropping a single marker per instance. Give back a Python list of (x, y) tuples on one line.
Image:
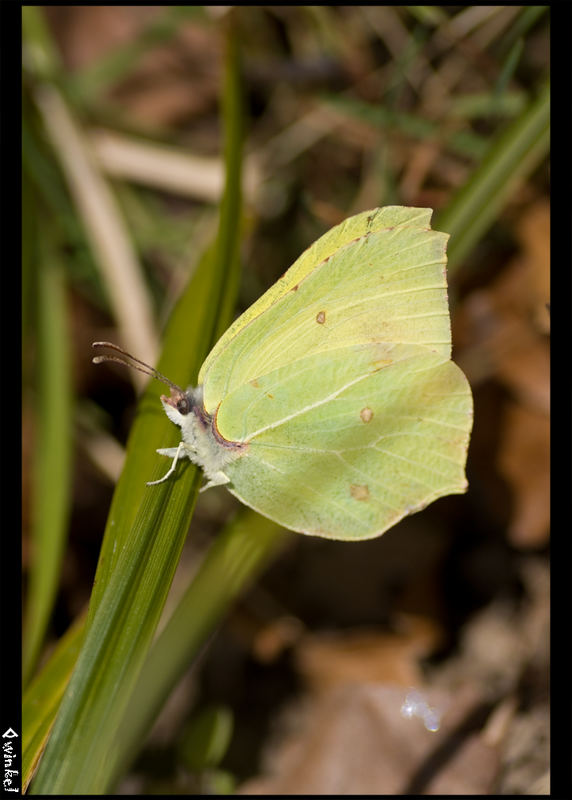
[(386, 286)]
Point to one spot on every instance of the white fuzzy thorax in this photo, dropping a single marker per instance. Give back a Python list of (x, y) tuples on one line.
[(199, 442)]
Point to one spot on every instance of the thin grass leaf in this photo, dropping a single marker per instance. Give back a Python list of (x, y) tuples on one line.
[(234, 560), (201, 315), (508, 69), (41, 172), (29, 240), (464, 143), (206, 738), (138, 560), (528, 17), (43, 697), (428, 15), (94, 200), (52, 456), (77, 755), (105, 231), (485, 104), (515, 153)]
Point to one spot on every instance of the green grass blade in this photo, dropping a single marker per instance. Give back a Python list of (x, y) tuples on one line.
[(52, 457), (95, 202), (43, 696), (201, 315), (29, 240), (144, 536), (237, 556), (428, 15), (77, 755), (465, 143), (515, 153)]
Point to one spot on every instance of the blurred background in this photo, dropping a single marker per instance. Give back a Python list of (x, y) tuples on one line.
[(345, 108)]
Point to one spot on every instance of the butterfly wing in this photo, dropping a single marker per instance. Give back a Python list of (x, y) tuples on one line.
[(344, 446), (339, 382), (387, 285)]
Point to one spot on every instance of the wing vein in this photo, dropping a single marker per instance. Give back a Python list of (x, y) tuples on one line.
[(309, 407)]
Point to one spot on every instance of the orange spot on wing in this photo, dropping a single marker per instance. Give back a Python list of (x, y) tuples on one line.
[(366, 414), (321, 317), (359, 492)]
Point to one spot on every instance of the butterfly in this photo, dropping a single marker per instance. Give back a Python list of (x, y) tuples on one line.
[(332, 405)]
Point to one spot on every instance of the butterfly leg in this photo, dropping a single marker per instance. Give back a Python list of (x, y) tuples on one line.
[(172, 452)]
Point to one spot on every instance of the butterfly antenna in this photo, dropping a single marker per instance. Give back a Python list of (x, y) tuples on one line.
[(127, 360)]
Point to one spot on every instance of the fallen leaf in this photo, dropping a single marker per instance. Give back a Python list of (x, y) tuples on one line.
[(331, 659), (524, 461), (355, 740)]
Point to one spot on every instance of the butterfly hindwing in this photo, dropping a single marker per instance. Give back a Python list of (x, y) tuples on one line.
[(381, 433)]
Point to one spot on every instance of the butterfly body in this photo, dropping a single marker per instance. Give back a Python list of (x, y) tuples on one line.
[(201, 441)]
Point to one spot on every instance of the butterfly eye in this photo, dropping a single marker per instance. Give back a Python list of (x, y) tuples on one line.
[(183, 404)]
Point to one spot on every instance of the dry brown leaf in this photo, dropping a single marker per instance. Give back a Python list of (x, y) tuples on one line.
[(502, 641), (168, 82), (87, 33), (176, 81), (355, 740), (496, 337), (501, 334), (500, 329), (524, 461), (535, 575), (526, 753), (417, 169), (534, 232), (327, 660), (273, 638)]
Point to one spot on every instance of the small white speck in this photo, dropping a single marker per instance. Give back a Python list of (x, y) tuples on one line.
[(415, 705)]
